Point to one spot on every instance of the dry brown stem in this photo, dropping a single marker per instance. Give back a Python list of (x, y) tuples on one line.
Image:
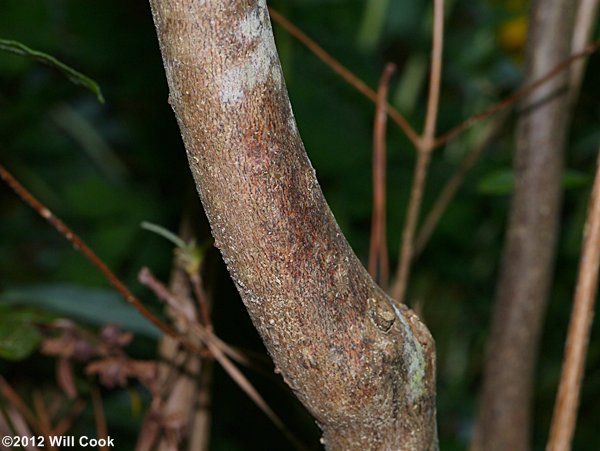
[(451, 187), (378, 257), (79, 245), (425, 147), (518, 95), (99, 416), (215, 346), (344, 72), (578, 335)]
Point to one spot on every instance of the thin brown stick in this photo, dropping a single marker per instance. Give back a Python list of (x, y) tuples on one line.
[(161, 291), (79, 245), (43, 416), (451, 187), (378, 246), (578, 335), (424, 150), (201, 299), (396, 116), (344, 72), (518, 95), (398, 290), (19, 405), (214, 345), (435, 77), (585, 23), (99, 417)]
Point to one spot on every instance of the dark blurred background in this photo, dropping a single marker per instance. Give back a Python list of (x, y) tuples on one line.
[(104, 168)]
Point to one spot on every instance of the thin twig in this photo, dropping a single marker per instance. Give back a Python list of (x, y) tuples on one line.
[(406, 251), (450, 189), (201, 298), (99, 417), (435, 78), (378, 247), (585, 23), (424, 150), (19, 405), (252, 393), (162, 292), (79, 245), (344, 72), (578, 335), (214, 345), (43, 416), (518, 95)]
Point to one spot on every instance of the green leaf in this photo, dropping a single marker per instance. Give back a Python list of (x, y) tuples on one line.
[(92, 306), (73, 75), (19, 337)]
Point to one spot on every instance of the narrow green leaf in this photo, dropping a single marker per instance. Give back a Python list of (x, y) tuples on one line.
[(167, 234), (73, 75)]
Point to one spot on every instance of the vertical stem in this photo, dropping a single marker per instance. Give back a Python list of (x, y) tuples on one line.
[(567, 401), (435, 74), (398, 290), (378, 247), (99, 416), (525, 279), (452, 186), (424, 149)]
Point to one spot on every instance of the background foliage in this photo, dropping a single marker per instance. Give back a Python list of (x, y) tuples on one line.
[(105, 168)]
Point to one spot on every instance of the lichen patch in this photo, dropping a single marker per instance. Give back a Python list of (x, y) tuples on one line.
[(258, 66), (416, 358)]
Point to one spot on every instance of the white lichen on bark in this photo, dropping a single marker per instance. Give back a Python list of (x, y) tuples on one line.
[(260, 65)]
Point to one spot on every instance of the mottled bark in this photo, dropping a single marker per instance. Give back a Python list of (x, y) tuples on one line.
[(361, 365), (523, 286)]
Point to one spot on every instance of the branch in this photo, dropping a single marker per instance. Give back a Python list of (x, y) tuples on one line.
[(578, 335), (424, 149), (344, 72), (99, 416), (79, 245), (362, 367), (525, 277), (585, 23), (378, 246), (451, 187), (435, 77), (217, 350), (518, 95)]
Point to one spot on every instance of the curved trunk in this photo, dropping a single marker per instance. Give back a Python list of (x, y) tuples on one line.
[(361, 365)]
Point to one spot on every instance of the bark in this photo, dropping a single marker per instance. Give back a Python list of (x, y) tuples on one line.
[(523, 286), (362, 366)]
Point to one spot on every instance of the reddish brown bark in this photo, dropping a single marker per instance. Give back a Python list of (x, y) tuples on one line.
[(361, 365), (523, 286)]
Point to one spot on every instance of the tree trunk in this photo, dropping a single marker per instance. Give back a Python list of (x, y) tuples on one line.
[(523, 286), (362, 366)]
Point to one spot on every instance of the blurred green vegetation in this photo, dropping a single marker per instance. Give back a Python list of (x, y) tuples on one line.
[(106, 168)]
